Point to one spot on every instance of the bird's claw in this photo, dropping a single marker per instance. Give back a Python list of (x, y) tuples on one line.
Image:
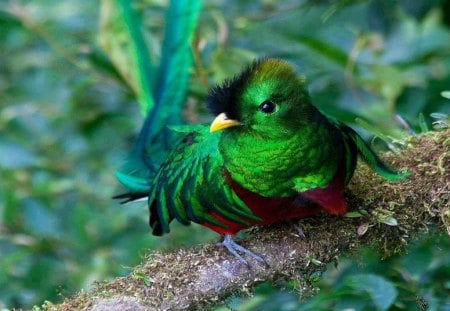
[(299, 230), (234, 248)]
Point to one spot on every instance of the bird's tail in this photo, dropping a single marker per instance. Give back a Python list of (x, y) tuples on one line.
[(139, 188), (160, 88), (372, 159)]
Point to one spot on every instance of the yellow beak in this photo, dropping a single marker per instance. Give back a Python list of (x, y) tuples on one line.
[(222, 122)]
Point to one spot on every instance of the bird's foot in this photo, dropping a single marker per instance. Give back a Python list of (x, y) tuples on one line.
[(234, 248), (299, 229)]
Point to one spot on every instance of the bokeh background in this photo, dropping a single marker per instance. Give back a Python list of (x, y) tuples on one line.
[(69, 118)]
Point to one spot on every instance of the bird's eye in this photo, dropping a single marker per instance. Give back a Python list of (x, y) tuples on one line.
[(267, 107)]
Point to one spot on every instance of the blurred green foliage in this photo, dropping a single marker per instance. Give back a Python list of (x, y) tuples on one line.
[(418, 280), (69, 116)]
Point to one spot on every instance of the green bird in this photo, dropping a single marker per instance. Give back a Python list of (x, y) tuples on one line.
[(268, 156)]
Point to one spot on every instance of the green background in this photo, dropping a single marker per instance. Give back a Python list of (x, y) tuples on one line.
[(69, 118)]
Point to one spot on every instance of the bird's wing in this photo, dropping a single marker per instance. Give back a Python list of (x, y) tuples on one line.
[(190, 185)]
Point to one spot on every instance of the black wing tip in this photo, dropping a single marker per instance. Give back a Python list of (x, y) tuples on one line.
[(157, 231), (129, 197), (157, 227)]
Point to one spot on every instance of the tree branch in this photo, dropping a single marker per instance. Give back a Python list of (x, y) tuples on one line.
[(200, 276)]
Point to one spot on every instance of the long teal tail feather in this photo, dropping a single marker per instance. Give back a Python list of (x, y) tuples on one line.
[(371, 158), (139, 187), (174, 69), (141, 56), (163, 104)]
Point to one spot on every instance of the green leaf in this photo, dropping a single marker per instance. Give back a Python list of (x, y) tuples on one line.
[(389, 81), (382, 292), (143, 277), (422, 123), (445, 94), (353, 215), (314, 261), (363, 212), (325, 49), (389, 220), (438, 115)]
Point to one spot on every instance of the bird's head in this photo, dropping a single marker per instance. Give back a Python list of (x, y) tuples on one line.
[(267, 99)]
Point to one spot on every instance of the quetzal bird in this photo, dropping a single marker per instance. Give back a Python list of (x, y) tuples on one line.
[(268, 156)]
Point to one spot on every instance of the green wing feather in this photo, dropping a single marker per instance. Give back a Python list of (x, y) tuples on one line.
[(190, 185), (370, 157), (174, 209)]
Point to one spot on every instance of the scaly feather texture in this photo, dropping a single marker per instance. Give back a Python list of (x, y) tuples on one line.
[(271, 156)]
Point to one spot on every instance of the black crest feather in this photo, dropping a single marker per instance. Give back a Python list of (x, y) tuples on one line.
[(224, 97)]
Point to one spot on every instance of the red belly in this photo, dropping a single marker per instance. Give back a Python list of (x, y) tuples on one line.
[(272, 210)]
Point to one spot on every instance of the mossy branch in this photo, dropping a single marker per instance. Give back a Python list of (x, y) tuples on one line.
[(197, 277)]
